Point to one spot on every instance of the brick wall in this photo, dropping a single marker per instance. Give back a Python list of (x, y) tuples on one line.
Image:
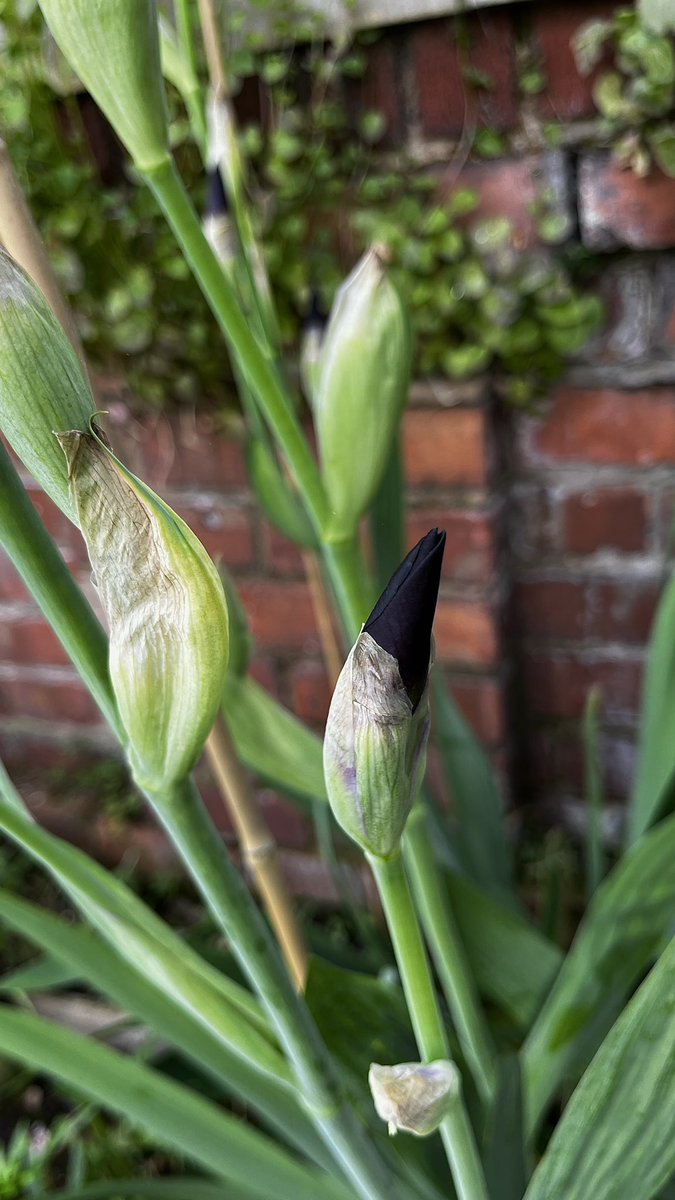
[(558, 524)]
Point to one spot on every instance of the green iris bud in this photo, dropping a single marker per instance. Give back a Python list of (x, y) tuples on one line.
[(414, 1097), (113, 45), (42, 384), (165, 608), (360, 390), (378, 723)]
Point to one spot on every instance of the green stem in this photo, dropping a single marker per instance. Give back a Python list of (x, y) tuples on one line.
[(432, 1042), (351, 585), (185, 819), (257, 367), (449, 955), (36, 558)]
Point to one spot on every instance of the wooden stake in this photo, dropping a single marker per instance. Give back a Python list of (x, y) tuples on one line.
[(258, 849)]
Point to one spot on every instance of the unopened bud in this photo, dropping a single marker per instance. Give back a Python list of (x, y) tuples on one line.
[(165, 609), (218, 225), (378, 723), (313, 329), (113, 45), (413, 1097), (42, 384), (361, 388)]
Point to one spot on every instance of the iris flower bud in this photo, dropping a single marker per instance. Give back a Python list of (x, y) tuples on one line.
[(313, 328), (113, 45), (217, 223), (361, 387), (42, 384), (413, 1097), (378, 723), (165, 609)]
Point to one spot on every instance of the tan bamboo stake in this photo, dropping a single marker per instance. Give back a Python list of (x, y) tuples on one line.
[(258, 849), (214, 51), (20, 237)]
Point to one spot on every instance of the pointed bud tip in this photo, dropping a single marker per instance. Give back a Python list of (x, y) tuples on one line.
[(403, 617)]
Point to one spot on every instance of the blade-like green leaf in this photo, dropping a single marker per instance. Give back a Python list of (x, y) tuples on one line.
[(478, 832), (504, 1153), (182, 1188), (594, 852), (38, 975), (615, 1140), (654, 786), (624, 928), (513, 964), (140, 936), (85, 956), (289, 755), (169, 1112)]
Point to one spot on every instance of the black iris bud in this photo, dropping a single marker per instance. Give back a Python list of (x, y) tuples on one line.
[(403, 617), (315, 315), (216, 198)]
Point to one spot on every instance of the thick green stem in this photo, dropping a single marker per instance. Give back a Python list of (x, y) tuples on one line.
[(257, 367), (185, 819), (36, 558), (448, 954), (432, 1043)]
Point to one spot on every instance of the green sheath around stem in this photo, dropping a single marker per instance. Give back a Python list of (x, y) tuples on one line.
[(33, 553), (413, 964), (183, 815)]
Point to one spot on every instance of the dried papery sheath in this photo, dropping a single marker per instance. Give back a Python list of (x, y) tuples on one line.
[(42, 384), (378, 723), (413, 1097), (360, 390), (165, 608), (113, 45)]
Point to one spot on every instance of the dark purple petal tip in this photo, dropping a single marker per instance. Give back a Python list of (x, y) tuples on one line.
[(403, 617)]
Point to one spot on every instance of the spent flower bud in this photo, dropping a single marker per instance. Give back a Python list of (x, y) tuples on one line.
[(113, 45), (42, 384), (378, 723), (414, 1097), (360, 391), (165, 608)]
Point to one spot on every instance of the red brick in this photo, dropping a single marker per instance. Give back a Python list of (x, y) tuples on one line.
[(11, 584), (617, 208), (310, 692), (532, 519), (465, 633), (507, 188), (281, 557), (567, 93), (607, 426), (605, 519), (280, 614), (557, 686), (469, 547), (491, 50), (550, 608), (445, 448), (482, 703), (440, 86), (47, 698), (290, 828), (379, 88), (30, 640), (224, 529), (181, 450)]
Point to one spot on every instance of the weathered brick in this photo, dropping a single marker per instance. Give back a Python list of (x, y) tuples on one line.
[(379, 90), (225, 529), (11, 585), (622, 610), (532, 521), (310, 692), (280, 556), (636, 428), (557, 685), (481, 700), (180, 451), (511, 187), (550, 608), (30, 639), (618, 208), (465, 633), (290, 828), (469, 548), (280, 614), (439, 84), (48, 697), (445, 448), (567, 94), (605, 519)]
